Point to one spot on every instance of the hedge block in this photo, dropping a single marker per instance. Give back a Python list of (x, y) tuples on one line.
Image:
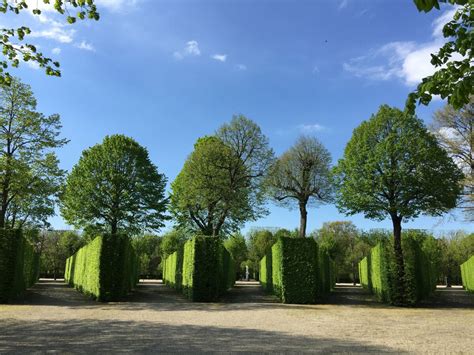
[(203, 269), (19, 264), (266, 272), (467, 273), (378, 270), (106, 269)]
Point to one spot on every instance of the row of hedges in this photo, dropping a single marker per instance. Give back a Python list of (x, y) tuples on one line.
[(467, 273), (203, 269), (377, 271), (19, 264), (106, 269), (296, 271)]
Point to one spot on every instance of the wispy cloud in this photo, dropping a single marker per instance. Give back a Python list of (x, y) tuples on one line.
[(315, 69), (241, 67), (406, 60), (85, 46), (56, 51), (58, 34), (311, 128), (219, 57), (343, 4), (191, 49)]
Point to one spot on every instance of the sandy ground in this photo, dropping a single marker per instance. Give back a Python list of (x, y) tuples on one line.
[(54, 317)]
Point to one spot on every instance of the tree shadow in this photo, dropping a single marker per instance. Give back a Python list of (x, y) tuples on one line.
[(97, 336)]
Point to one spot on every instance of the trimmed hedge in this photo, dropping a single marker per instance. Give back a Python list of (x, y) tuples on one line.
[(326, 273), (467, 273), (294, 270), (19, 264), (204, 272), (106, 269), (266, 272), (173, 269), (377, 271)]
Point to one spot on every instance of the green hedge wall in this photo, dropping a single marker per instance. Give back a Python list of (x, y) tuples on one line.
[(467, 273), (106, 269), (173, 269), (19, 264), (377, 270), (266, 272), (326, 273), (294, 270), (364, 273), (202, 269)]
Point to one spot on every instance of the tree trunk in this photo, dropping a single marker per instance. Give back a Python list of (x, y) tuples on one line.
[(400, 265), (303, 219), (113, 228)]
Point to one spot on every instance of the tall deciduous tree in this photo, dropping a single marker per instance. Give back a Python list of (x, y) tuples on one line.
[(115, 188), (301, 176), (221, 184), (393, 167), (204, 197), (454, 78), (455, 131), (11, 40), (29, 174)]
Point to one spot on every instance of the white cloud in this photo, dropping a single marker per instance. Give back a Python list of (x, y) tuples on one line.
[(191, 49), (55, 33), (408, 61), (343, 4), (311, 128), (219, 57), (116, 5), (85, 46), (56, 51), (241, 67)]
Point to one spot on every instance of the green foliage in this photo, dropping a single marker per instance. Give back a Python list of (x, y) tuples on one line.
[(106, 269), (149, 254), (173, 241), (260, 243), (56, 247), (208, 269), (456, 248), (467, 271), (115, 188), (294, 270), (237, 247), (301, 177), (19, 264), (393, 166), (221, 184), (173, 269), (29, 169), (14, 49), (454, 78), (364, 273)]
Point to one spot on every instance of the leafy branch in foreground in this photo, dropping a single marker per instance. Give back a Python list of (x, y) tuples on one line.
[(454, 79), (11, 39)]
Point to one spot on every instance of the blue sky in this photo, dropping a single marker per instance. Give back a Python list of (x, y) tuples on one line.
[(168, 72)]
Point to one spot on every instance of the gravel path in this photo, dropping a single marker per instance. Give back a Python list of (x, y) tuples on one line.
[(54, 317)]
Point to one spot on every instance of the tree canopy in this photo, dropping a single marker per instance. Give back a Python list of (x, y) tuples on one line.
[(393, 167), (11, 40), (302, 177), (221, 184), (30, 177), (115, 188)]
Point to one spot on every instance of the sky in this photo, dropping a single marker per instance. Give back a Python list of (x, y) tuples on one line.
[(169, 72)]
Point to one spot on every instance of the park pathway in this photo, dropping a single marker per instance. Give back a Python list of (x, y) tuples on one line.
[(248, 292)]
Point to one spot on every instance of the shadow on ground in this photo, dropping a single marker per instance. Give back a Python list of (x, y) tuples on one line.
[(97, 336)]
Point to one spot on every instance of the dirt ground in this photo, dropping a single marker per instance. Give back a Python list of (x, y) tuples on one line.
[(54, 317)]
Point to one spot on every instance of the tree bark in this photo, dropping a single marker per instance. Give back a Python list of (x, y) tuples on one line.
[(113, 228), (303, 219), (400, 265)]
